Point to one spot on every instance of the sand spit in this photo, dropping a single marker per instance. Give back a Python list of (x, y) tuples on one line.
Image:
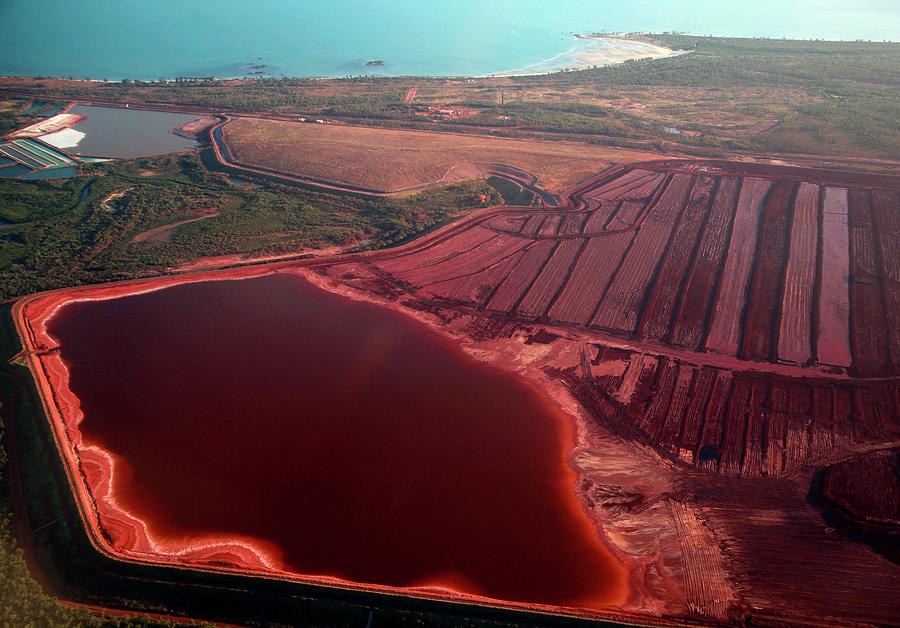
[(618, 50)]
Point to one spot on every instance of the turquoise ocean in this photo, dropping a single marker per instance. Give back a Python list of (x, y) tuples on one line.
[(116, 39)]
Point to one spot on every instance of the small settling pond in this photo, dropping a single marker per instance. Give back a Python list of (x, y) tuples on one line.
[(124, 133), (356, 440)]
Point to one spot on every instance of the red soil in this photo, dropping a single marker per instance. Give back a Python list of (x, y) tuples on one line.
[(833, 346), (657, 318), (794, 334), (548, 282), (696, 301), (868, 330), (768, 272), (620, 307), (724, 329)]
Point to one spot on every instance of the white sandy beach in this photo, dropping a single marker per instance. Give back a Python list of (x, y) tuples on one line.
[(589, 51)]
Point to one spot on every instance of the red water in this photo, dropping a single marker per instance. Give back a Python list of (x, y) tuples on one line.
[(361, 443)]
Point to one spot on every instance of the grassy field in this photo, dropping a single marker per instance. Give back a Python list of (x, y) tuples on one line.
[(394, 159)]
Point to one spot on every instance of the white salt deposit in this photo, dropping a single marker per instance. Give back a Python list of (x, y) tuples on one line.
[(67, 138)]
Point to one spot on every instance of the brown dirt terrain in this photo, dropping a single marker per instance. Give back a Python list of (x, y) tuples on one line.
[(391, 159), (165, 232)]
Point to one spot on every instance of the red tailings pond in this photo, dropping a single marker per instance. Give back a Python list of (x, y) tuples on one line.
[(325, 437)]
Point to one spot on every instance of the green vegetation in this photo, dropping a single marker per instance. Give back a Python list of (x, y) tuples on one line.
[(851, 89), (11, 112), (512, 193), (745, 95), (24, 602), (56, 241), (9, 120)]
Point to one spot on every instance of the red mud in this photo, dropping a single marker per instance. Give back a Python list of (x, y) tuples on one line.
[(834, 299), (768, 274), (867, 489), (545, 556), (731, 262), (743, 434)]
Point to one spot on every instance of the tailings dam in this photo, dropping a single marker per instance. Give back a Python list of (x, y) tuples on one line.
[(656, 401), (268, 425)]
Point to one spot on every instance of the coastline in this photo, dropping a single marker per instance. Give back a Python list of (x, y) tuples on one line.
[(600, 50), (589, 51), (586, 50)]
